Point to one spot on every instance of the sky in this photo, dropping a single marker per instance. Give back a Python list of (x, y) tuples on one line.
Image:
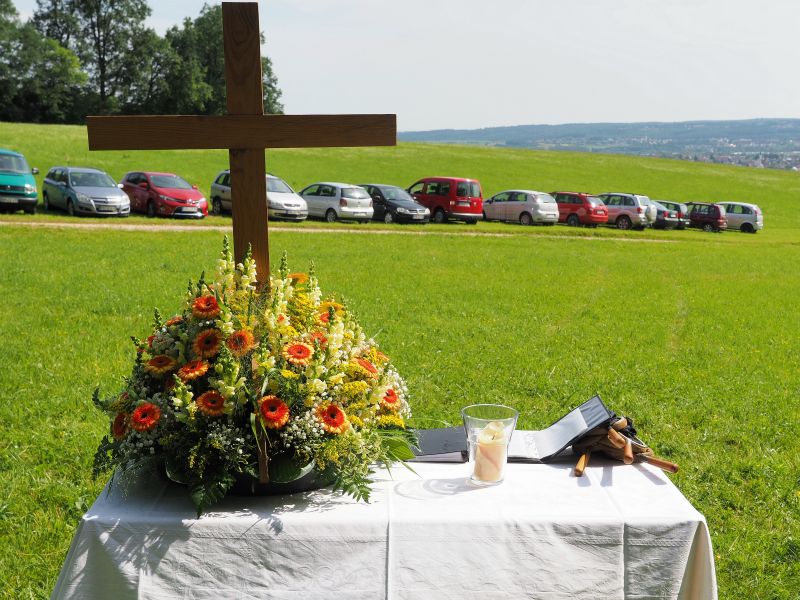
[(480, 63)]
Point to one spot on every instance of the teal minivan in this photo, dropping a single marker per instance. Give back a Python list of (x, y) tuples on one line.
[(17, 185)]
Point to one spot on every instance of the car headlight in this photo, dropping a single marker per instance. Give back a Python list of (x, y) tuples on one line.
[(427, 211), (29, 188), (400, 209), (83, 198), (202, 200)]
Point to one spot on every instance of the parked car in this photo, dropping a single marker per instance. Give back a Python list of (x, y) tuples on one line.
[(681, 209), (333, 201), (283, 201), (707, 216), (450, 198), (393, 204), (84, 191), (666, 218), (521, 206), (579, 208), (164, 194), (629, 210), (17, 185), (744, 217)]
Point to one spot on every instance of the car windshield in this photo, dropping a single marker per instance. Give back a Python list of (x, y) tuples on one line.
[(91, 180), (545, 199), (594, 201), (396, 193), (9, 163), (170, 181), (354, 193), (278, 186)]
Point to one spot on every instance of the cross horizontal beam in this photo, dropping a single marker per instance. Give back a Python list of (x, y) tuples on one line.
[(180, 132)]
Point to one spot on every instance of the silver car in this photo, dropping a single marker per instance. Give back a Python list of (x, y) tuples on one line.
[(521, 206), (744, 217), (629, 210), (84, 191), (284, 203), (332, 201)]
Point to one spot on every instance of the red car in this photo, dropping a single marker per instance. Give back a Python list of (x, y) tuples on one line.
[(164, 194), (578, 208), (450, 198)]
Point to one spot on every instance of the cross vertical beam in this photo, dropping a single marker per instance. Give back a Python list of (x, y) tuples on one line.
[(244, 96)]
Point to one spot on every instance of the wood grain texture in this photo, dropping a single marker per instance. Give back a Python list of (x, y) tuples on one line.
[(242, 45), (249, 206), (240, 131)]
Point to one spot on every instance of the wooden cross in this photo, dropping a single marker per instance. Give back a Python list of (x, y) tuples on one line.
[(245, 131)]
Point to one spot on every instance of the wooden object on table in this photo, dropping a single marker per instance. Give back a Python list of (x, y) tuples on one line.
[(583, 462)]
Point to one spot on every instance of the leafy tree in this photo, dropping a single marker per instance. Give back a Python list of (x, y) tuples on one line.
[(199, 80), (40, 80), (56, 19)]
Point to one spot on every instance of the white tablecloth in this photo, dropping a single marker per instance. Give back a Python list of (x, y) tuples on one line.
[(618, 532)]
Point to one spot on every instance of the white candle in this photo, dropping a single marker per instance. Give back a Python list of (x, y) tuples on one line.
[(490, 453)]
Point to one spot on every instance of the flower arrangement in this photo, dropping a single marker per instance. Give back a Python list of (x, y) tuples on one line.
[(257, 384)]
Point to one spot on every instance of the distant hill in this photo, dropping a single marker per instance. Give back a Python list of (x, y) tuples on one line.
[(754, 142)]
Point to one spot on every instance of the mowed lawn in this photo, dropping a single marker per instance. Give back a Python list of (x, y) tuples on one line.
[(697, 340)]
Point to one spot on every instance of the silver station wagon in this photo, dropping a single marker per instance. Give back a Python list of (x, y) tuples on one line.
[(744, 217), (521, 206), (284, 202), (332, 201), (80, 191)]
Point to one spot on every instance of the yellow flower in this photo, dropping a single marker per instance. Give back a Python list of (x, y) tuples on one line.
[(355, 421), (354, 389), (391, 421), (286, 374)]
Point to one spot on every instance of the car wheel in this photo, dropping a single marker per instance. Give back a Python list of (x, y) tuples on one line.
[(70, 208), (438, 216), (216, 206), (46, 202), (388, 217), (624, 222), (573, 220), (330, 216), (151, 209), (525, 219), (708, 227), (748, 228), (30, 210)]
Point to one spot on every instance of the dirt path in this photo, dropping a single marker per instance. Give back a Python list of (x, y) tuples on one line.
[(365, 230)]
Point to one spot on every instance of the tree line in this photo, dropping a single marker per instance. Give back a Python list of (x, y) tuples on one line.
[(80, 57)]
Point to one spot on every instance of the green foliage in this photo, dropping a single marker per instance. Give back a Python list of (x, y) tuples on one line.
[(208, 493)]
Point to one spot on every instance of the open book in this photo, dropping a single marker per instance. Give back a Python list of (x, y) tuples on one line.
[(449, 444)]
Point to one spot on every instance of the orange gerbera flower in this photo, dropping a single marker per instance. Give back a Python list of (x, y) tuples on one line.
[(145, 417), (176, 320), (211, 403), (333, 418), (160, 365), (298, 278), (241, 342), (150, 339), (274, 411), (367, 366), (298, 353), (381, 356), (337, 308), (119, 428), (207, 342), (390, 400), (192, 370), (320, 338), (324, 318), (205, 307)]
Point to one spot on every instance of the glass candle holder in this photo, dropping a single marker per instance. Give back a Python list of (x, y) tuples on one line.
[(489, 428)]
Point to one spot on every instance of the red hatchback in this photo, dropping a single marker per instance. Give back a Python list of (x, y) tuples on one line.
[(450, 198), (164, 194), (578, 208)]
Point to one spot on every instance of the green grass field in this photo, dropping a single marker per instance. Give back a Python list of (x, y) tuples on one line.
[(696, 339)]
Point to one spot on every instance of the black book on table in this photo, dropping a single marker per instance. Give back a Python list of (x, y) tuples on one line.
[(449, 444)]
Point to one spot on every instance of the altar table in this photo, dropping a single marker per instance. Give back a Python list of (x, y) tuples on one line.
[(618, 532)]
